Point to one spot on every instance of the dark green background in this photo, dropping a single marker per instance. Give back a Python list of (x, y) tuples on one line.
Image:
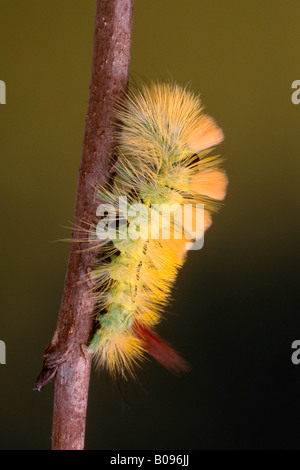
[(235, 311)]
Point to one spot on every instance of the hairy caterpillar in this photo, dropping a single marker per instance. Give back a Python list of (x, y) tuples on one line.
[(161, 159)]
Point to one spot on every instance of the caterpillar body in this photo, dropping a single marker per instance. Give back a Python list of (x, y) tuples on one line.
[(161, 160)]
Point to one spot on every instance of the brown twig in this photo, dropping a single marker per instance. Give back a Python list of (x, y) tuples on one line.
[(66, 356)]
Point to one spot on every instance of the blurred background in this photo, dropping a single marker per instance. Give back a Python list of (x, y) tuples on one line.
[(235, 309)]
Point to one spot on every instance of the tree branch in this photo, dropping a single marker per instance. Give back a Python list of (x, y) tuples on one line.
[(65, 356)]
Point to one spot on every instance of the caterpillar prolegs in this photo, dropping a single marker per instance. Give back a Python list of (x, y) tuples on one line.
[(161, 167)]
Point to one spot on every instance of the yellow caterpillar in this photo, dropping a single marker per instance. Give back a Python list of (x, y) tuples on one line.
[(162, 167)]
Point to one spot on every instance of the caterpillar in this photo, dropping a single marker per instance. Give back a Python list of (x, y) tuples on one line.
[(161, 160)]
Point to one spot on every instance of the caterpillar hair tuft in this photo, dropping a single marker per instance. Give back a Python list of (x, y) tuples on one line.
[(161, 160)]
